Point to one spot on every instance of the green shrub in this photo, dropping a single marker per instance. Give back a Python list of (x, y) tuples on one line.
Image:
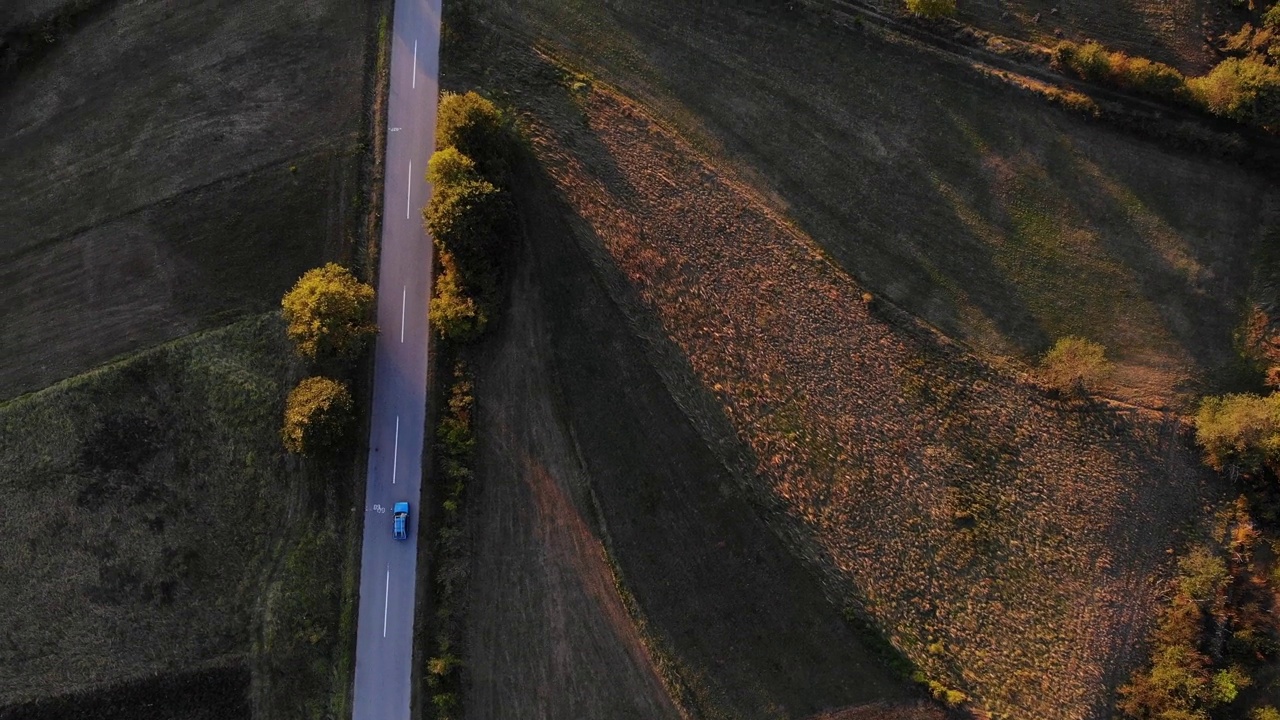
[(469, 219), (317, 416), (947, 696), (445, 703), (1241, 430), (478, 129), (1203, 574), (932, 9), (1271, 19), (1146, 76), (329, 313), (449, 166), (1228, 683), (454, 432), (443, 665), (1074, 364), (1265, 712), (1090, 61), (1176, 686), (1243, 89)]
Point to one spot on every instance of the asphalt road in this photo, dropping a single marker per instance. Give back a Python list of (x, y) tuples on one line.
[(384, 634)]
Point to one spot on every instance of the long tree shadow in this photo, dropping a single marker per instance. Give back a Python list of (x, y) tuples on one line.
[(749, 625)]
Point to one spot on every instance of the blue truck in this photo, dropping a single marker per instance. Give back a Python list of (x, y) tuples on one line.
[(400, 521)]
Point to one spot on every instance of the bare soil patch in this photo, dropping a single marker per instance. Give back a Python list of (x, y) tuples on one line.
[(170, 168), (1003, 221)]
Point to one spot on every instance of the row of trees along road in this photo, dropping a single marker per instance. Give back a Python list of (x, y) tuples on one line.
[(330, 321)]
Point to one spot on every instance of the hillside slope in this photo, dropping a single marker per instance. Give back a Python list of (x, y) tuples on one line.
[(1013, 547), (1003, 221)]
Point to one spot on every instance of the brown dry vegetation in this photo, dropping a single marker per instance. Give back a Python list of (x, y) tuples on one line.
[(140, 205), (1012, 547), (1000, 219), (1170, 31), (582, 447)]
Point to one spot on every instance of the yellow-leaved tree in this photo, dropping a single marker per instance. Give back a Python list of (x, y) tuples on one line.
[(330, 313), (317, 416)]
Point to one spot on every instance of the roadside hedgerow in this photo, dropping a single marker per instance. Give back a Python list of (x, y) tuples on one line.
[(470, 217), (455, 443), (453, 314), (479, 130)]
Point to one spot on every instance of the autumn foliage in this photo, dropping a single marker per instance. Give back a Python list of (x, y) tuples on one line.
[(330, 313), (317, 416), (469, 217)]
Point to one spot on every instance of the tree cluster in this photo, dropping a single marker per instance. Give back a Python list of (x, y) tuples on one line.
[(470, 214), (329, 315), (1244, 86), (1216, 632)]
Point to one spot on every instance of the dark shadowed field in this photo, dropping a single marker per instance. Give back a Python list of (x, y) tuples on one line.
[(156, 533), (169, 167)]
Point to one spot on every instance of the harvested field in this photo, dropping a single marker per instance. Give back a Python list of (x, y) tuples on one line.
[(143, 205), (548, 635), (1014, 548), (154, 527), (1003, 221)]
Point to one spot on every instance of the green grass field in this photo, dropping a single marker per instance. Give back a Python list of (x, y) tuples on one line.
[(153, 525)]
